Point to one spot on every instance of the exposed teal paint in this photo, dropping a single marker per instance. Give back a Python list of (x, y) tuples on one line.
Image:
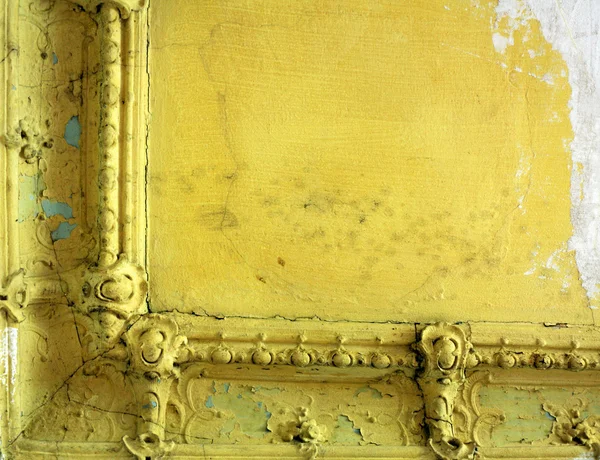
[(30, 190), (150, 405), (73, 131), (249, 416), (57, 208), (63, 231), (345, 432), (13, 87), (375, 393), (54, 59), (526, 421), (260, 406)]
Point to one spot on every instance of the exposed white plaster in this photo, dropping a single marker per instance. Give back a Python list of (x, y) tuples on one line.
[(585, 456), (572, 27), (511, 11), (8, 357), (501, 42)]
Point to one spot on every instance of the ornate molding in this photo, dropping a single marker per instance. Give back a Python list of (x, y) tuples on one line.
[(125, 7), (28, 139), (571, 426), (13, 296), (472, 422), (108, 298), (153, 344), (305, 431), (108, 294), (445, 350), (114, 288)]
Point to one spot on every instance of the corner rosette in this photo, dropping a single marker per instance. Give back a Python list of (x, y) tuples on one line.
[(108, 298), (119, 289)]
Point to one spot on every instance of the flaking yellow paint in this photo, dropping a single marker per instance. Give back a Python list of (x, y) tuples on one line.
[(378, 161), (357, 161)]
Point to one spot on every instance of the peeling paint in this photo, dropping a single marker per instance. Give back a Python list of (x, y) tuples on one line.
[(8, 357), (57, 208), (31, 188), (73, 131), (249, 416), (345, 432), (63, 231), (572, 27)]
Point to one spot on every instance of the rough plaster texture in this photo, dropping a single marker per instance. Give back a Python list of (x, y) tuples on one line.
[(573, 28), (362, 162)]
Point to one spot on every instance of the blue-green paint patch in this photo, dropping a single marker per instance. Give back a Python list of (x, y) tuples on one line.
[(13, 87), (345, 432), (73, 131), (54, 59), (57, 208), (260, 407), (249, 416), (150, 405), (30, 189), (549, 416), (63, 231), (226, 387)]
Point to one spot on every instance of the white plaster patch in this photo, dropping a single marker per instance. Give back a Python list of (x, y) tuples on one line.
[(572, 27), (585, 455), (501, 42), (511, 11), (8, 358)]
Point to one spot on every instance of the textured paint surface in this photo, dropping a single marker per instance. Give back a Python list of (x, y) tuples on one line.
[(527, 419), (30, 191), (573, 27), (400, 161), (258, 411), (356, 160)]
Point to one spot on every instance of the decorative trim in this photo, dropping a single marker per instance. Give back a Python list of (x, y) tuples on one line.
[(570, 426), (114, 289), (39, 450), (153, 345), (108, 293), (13, 290), (124, 7), (444, 349), (13, 296)]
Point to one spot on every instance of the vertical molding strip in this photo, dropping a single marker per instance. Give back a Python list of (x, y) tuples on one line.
[(110, 134), (12, 297)]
